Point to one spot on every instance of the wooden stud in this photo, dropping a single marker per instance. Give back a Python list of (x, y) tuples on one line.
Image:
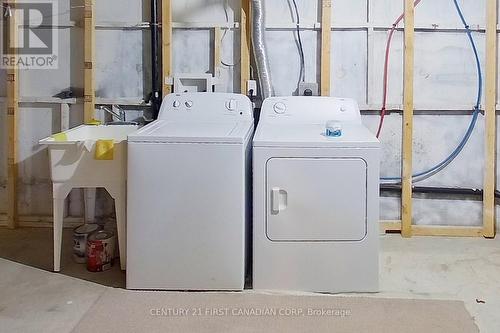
[(326, 36), (89, 60), (370, 47), (45, 221), (12, 125), (406, 196), (433, 230), (245, 43), (64, 112), (370, 75), (490, 126), (217, 53), (446, 231), (389, 225), (166, 45)]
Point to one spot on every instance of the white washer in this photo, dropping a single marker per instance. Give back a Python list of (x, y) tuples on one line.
[(315, 198), (189, 194)]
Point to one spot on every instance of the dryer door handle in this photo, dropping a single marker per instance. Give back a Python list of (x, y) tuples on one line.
[(278, 200)]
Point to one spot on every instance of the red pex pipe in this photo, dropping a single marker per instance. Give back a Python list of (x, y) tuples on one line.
[(386, 69)]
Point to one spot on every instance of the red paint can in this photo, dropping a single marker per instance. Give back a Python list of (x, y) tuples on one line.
[(100, 251)]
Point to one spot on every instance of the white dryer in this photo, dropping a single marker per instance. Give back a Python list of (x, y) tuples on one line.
[(315, 223), (189, 194)]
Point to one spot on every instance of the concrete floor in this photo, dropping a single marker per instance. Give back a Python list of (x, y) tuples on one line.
[(466, 269), (34, 247), (34, 300)]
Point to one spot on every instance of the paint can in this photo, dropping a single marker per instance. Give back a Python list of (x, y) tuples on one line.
[(111, 226), (100, 251), (80, 236)]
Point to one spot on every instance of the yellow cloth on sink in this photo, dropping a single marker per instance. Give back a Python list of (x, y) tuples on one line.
[(94, 122), (60, 137), (104, 150)]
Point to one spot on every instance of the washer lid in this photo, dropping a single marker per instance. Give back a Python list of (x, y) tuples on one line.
[(193, 132), (353, 135)]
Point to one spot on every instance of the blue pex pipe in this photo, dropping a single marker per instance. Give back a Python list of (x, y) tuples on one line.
[(440, 166)]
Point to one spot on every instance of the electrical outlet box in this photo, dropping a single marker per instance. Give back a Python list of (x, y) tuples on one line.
[(308, 89)]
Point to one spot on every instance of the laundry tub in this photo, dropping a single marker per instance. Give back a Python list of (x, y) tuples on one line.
[(89, 156)]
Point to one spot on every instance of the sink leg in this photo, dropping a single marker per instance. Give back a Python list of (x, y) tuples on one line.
[(122, 229), (59, 194), (119, 194), (89, 203)]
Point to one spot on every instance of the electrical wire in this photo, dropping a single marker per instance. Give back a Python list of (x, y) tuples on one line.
[(386, 69), (302, 74), (224, 63), (435, 169)]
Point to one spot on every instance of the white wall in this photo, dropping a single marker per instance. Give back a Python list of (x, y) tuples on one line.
[(445, 77)]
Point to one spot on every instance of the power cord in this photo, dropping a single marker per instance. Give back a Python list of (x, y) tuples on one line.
[(302, 74), (224, 63)]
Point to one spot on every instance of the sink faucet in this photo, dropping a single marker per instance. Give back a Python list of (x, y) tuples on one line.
[(120, 114)]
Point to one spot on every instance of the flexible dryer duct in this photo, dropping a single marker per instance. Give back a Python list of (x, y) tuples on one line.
[(260, 49)]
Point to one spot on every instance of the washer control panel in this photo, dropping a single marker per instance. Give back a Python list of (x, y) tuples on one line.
[(205, 106)]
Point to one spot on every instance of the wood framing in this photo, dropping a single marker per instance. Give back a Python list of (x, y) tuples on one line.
[(488, 227), (245, 44), (166, 46), (432, 230), (12, 107), (65, 121), (64, 111), (217, 53), (446, 231), (407, 153), (45, 221), (389, 225), (490, 126), (370, 98), (326, 36), (89, 61)]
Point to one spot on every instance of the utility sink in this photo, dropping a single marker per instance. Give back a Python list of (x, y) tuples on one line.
[(73, 153), (89, 156)]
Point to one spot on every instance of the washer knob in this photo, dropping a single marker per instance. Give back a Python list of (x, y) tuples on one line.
[(342, 108), (189, 104), (176, 104), (279, 107), (231, 105)]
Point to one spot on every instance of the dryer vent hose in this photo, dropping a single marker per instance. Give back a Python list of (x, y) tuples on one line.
[(260, 49)]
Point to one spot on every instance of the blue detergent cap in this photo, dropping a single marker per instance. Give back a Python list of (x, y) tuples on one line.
[(333, 129)]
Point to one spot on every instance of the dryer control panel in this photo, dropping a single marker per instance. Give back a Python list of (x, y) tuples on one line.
[(310, 110), (205, 107)]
